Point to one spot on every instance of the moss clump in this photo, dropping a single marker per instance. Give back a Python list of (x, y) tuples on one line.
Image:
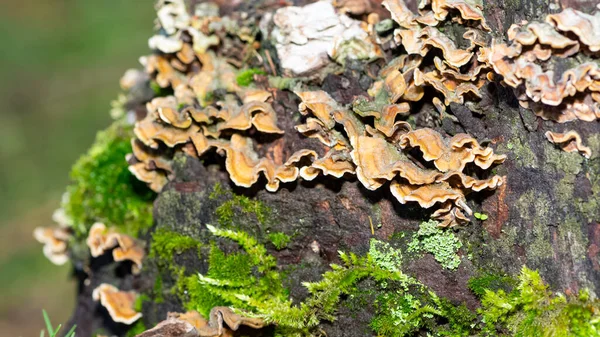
[(103, 189), (443, 244), (166, 243), (246, 77), (279, 240), (231, 279), (480, 284), (195, 296), (250, 282), (530, 309), (236, 206)]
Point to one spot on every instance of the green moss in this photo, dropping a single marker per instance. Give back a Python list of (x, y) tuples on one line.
[(442, 243), (139, 301), (166, 243), (279, 240), (231, 278), (488, 281), (238, 207), (246, 77), (103, 189), (195, 296), (530, 309), (250, 282), (157, 290)]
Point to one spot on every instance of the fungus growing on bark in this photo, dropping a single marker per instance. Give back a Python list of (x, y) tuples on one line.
[(377, 158), (378, 152), (55, 241), (119, 304), (222, 322), (569, 141), (527, 64), (171, 327), (124, 248), (455, 74)]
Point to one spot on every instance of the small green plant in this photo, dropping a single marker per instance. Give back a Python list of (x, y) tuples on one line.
[(480, 216), (54, 332)]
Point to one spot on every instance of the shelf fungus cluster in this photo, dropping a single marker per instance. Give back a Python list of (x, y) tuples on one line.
[(553, 65), (56, 238), (190, 120), (432, 58), (223, 322), (123, 247), (119, 304), (378, 158)]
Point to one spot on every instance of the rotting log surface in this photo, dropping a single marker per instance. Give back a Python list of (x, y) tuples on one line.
[(545, 216)]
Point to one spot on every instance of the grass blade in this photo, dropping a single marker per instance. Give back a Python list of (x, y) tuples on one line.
[(71, 332), (48, 323)]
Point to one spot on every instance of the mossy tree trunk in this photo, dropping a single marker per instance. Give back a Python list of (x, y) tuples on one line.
[(546, 216)]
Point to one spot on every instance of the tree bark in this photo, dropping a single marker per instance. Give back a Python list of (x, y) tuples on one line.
[(545, 216)]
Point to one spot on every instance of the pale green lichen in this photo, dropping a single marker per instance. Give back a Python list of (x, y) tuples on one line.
[(561, 161), (594, 144), (442, 243), (523, 154), (536, 207), (385, 256)]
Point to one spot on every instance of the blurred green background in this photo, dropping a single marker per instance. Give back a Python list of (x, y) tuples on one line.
[(60, 64)]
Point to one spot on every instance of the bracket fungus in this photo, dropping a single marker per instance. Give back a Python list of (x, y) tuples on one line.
[(124, 248), (537, 50), (119, 304), (455, 73), (55, 239), (171, 327), (192, 121), (377, 158), (223, 322), (569, 141)]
